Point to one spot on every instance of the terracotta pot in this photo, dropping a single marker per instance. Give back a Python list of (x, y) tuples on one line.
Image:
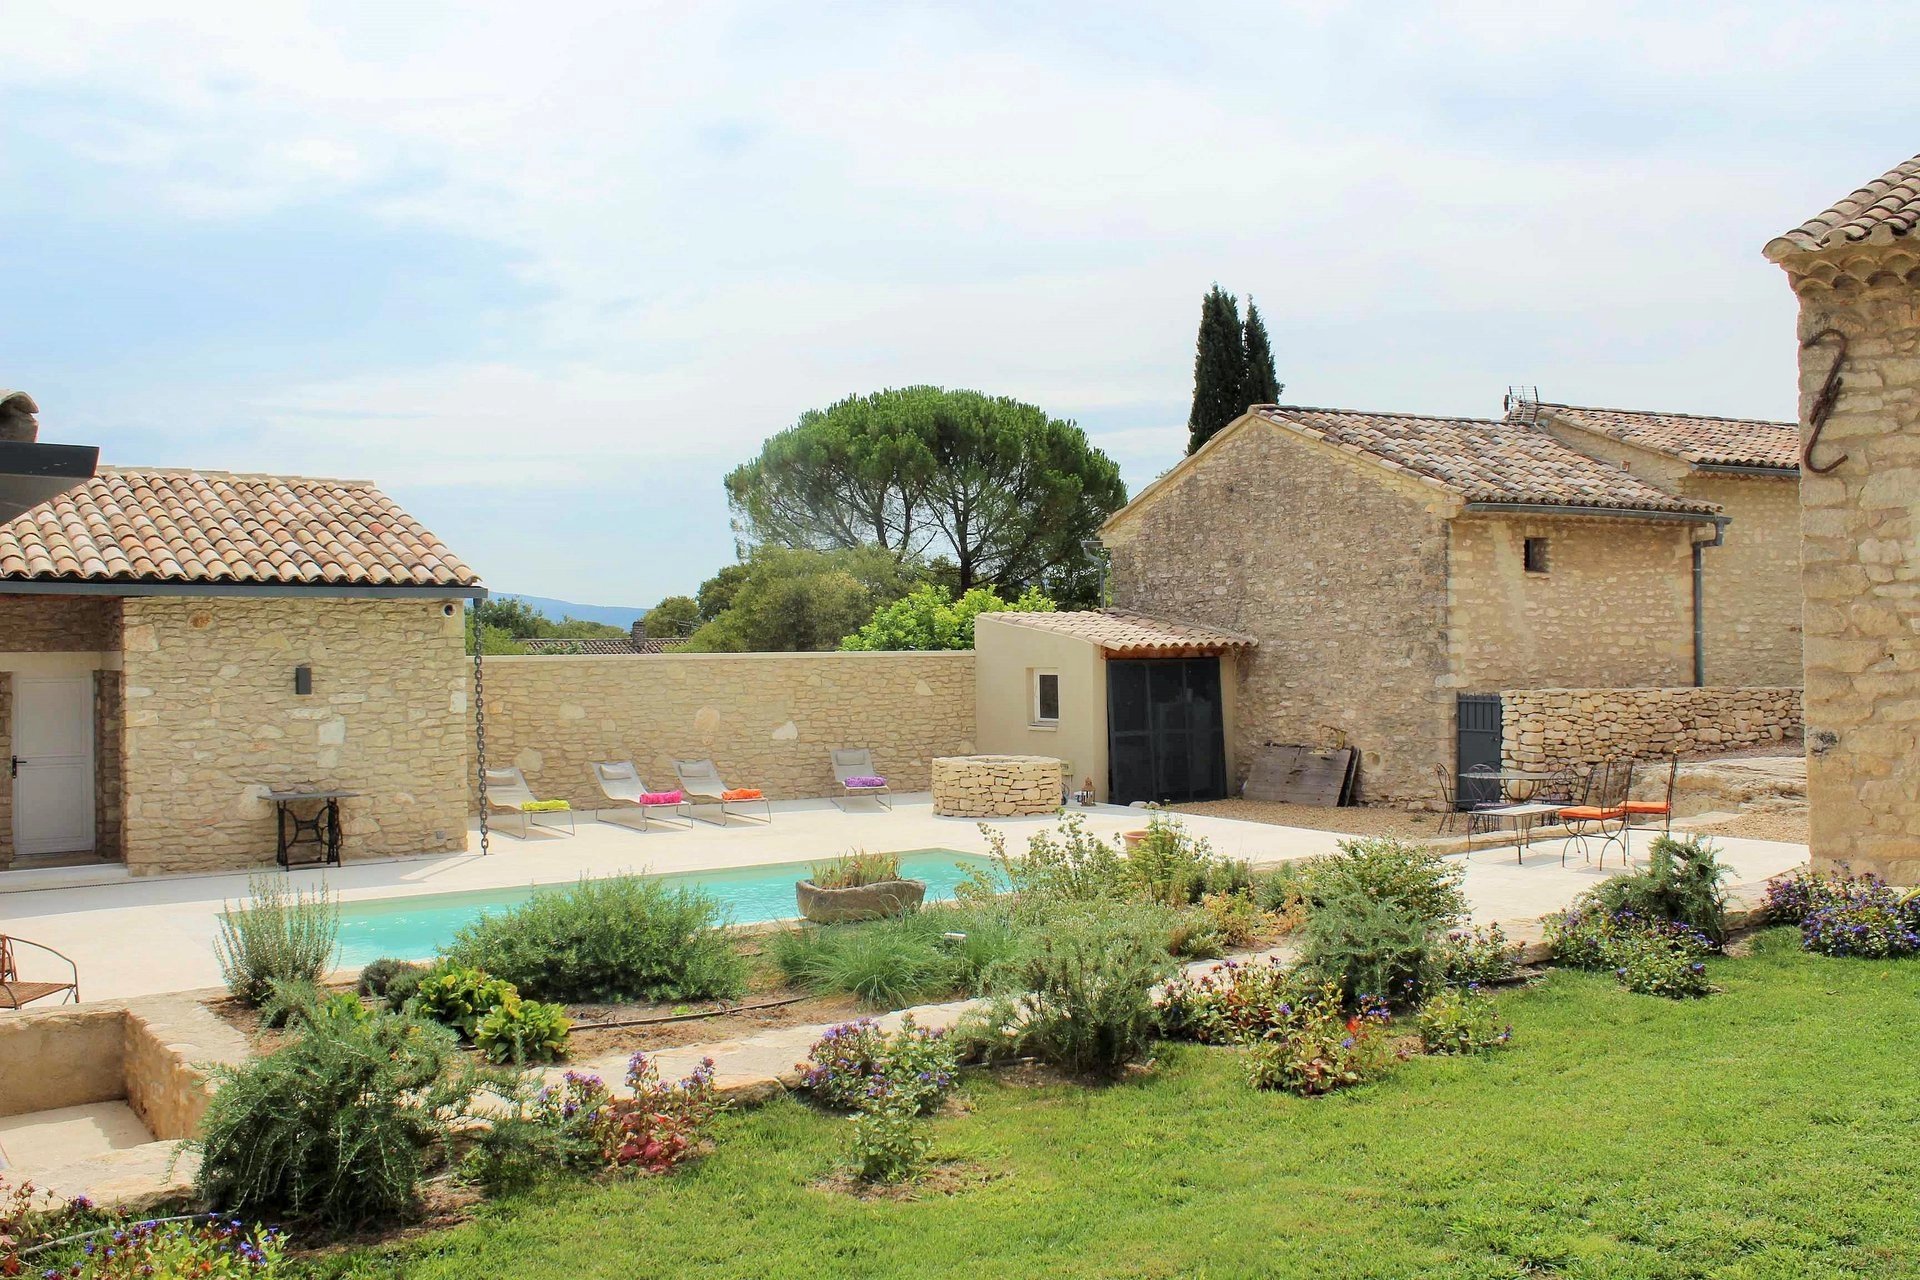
[(1133, 838), (865, 902)]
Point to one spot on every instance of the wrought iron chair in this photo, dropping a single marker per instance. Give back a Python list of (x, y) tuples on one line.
[(17, 994), (1661, 808), (1453, 805), (1602, 813)]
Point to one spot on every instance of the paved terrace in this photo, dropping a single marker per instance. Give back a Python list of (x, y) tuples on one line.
[(147, 936)]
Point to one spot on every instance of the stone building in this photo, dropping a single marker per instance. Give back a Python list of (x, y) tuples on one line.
[(1387, 563), (173, 644), (1856, 269), (1750, 608)]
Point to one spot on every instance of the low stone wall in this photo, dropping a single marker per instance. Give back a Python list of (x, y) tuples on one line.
[(995, 786), (1544, 727), (767, 720)]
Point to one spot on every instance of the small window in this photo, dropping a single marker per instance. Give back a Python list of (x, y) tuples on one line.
[(1536, 555), (1046, 697)]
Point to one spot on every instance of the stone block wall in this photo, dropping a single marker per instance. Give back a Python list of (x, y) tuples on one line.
[(1337, 567), (1549, 727), (767, 720), (212, 722), (995, 786), (1860, 555), (1752, 611), (1615, 607)]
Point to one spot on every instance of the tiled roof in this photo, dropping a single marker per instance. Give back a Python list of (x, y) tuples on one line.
[(1121, 631), (210, 527), (1482, 460), (1879, 213), (597, 647), (1726, 442)]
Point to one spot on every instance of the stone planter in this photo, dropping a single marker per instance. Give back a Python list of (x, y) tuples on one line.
[(864, 902)]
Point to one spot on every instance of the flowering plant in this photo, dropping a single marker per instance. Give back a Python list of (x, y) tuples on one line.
[(1323, 1048), (857, 1064), (1846, 915), (1654, 968), (664, 1121), (73, 1239), (1230, 1003), (1480, 955), (1461, 1020)]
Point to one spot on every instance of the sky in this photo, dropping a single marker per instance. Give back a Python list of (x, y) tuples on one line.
[(546, 273)]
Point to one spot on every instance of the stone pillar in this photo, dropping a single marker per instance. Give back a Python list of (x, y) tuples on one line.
[(1856, 269)]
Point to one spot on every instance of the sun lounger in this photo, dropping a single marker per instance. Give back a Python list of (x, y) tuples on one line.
[(620, 783), (703, 785), (853, 769), (507, 792)]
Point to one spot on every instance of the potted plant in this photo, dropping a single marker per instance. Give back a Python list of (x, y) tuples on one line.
[(858, 886)]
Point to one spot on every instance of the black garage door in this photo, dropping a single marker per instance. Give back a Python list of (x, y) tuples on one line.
[(1164, 739)]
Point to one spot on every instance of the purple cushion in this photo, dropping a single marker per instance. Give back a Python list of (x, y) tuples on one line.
[(866, 781)]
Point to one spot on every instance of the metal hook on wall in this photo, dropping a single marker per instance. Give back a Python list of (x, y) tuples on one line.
[(1823, 402)]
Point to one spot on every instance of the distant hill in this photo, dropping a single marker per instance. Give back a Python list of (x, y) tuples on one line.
[(612, 615)]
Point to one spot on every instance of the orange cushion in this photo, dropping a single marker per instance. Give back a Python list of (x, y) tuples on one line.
[(1590, 813), (742, 793), (1646, 806)]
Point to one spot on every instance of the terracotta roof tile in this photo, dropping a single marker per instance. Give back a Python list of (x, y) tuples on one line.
[(139, 525), (597, 647), (1125, 632), (1879, 213), (1483, 460), (1726, 442)]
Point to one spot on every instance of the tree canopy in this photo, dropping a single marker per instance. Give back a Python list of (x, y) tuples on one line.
[(930, 618), (1232, 366), (1004, 492), (790, 599), (674, 618)]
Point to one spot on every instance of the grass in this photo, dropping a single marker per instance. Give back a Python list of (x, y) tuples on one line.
[(892, 963), (1764, 1132)]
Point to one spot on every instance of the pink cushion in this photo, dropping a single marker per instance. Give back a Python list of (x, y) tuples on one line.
[(866, 781), (661, 797)]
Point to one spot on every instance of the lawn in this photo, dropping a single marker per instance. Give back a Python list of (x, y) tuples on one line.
[(1772, 1130)]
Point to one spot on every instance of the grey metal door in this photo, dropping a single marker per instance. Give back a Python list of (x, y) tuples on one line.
[(1479, 744)]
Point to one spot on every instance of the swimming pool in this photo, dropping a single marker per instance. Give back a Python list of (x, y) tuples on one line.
[(413, 928)]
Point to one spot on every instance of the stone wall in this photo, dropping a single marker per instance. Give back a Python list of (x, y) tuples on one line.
[(212, 721), (995, 786), (1337, 567), (109, 780), (1549, 727), (59, 624), (1752, 608), (1613, 609), (767, 720), (1860, 569)]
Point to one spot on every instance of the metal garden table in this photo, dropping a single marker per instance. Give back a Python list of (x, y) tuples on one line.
[(322, 830)]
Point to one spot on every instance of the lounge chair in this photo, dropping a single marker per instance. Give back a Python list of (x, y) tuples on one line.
[(17, 994), (508, 792), (703, 785), (620, 783), (853, 770)]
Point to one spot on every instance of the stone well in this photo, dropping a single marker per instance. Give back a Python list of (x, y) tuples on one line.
[(995, 786)]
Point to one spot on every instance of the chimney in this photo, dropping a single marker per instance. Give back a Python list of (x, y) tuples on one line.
[(639, 632), (17, 423)]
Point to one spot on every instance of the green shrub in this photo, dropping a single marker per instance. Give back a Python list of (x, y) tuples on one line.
[(1681, 883), (852, 870), (1236, 917), (1649, 956), (522, 1031), (1479, 955), (889, 1142), (459, 997), (1233, 1003), (1169, 866), (1389, 869), (1461, 1020), (391, 980), (622, 938), (857, 1062), (936, 953), (1282, 894), (1082, 992), (1065, 866), (1368, 946), (1318, 1047), (280, 934), (338, 1126), (1651, 965)]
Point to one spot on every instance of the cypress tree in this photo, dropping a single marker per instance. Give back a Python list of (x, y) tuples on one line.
[(1219, 368), (1263, 385)]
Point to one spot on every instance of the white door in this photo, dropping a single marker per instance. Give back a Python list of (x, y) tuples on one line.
[(53, 764)]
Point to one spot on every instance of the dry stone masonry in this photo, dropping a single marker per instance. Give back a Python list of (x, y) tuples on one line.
[(1549, 727), (995, 786)]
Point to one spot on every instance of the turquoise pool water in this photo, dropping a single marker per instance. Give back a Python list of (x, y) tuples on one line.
[(412, 928)]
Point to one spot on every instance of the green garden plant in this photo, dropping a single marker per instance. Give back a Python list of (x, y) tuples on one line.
[(280, 934), (855, 1063), (1477, 956), (1681, 883), (338, 1126), (853, 870), (889, 1141), (391, 980), (614, 939), (1461, 1020), (459, 996), (523, 1031), (1321, 1047)]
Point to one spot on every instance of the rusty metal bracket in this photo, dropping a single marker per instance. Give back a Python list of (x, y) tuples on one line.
[(1823, 402)]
